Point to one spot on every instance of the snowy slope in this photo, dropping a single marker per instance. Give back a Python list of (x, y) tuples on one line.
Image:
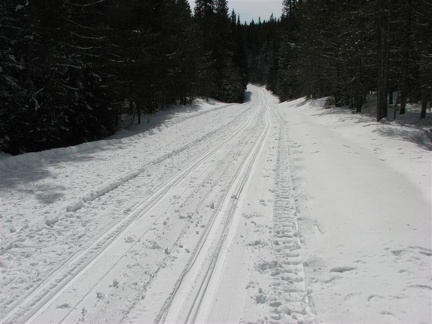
[(365, 198), (260, 212)]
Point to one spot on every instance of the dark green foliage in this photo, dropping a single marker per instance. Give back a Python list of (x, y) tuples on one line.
[(62, 92), (66, 67), (345, 49), (223, 69)]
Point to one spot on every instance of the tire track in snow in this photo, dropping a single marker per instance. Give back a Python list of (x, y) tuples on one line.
[(66, 274), (288, 300)]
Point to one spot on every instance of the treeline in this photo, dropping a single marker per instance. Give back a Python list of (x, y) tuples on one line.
[(345, 49), (67, 67)]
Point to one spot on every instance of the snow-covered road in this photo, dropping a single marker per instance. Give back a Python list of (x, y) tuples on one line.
[(364, 191), (215, 215)]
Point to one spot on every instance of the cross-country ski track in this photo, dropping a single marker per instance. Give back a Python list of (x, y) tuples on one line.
[(199, 220)]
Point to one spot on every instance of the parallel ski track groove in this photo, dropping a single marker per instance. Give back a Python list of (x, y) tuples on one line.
[(108, 187), (16, 160), (47, 290), (217, 208), (13, 308), (211, 154), (198, 304), (241, 176)]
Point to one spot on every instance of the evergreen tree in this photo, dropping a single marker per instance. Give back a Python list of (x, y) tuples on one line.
[(383, 57), (229, 80), (204, 18), (68, 66), (12, 89), (222, 73), (423, 34)]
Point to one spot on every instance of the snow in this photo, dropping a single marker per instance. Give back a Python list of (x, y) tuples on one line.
[(259, 212), (365, 197)]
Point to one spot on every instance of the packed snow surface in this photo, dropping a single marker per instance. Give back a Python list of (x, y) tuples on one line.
[(259, 212)]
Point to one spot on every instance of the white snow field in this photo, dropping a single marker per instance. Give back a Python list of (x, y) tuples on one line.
[(253, 213)]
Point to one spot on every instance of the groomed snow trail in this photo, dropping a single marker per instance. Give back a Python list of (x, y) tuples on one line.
[(363, 190), (201, 227), (242, 213)]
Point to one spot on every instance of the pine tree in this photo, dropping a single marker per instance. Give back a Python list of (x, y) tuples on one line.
[(203, 9), (183, 54), (405, 57), (12, 89), (423, 49), (221, 73), (240, 56), (226, 74), (204, 19), (383, 57), (63, 96)]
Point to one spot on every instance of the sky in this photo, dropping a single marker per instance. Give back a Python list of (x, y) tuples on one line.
[(253, 9)]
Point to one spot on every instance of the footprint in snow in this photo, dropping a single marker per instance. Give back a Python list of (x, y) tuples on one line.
[(421, 287), (342, 269), (260, 299), (389, 316), (275, 304), (129, 239), (351, 297), (374, 298)]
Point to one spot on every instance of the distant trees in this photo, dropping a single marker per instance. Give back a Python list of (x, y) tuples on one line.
[(12, 87), (223, 72), (67, 66), (345, 49), (61, 90), (262, 41)]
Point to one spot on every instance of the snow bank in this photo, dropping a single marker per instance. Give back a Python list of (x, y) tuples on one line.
[(364, 194), (150, 125)]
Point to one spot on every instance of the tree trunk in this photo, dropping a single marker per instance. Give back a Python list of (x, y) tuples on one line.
[(403, 101), (405, 57), (139, 110), (383, 58), (425, 97), (50, 90), (390, 94), (358, 102)]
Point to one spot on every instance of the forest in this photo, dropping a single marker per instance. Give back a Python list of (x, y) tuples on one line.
[(68, 68), (345, 50)]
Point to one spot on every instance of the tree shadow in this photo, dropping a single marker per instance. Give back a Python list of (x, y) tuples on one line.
[(344, 115), (152, 123), (32, 167), (10, 179), (410, 129), (248, 96), (45, 193), (420, 137)]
